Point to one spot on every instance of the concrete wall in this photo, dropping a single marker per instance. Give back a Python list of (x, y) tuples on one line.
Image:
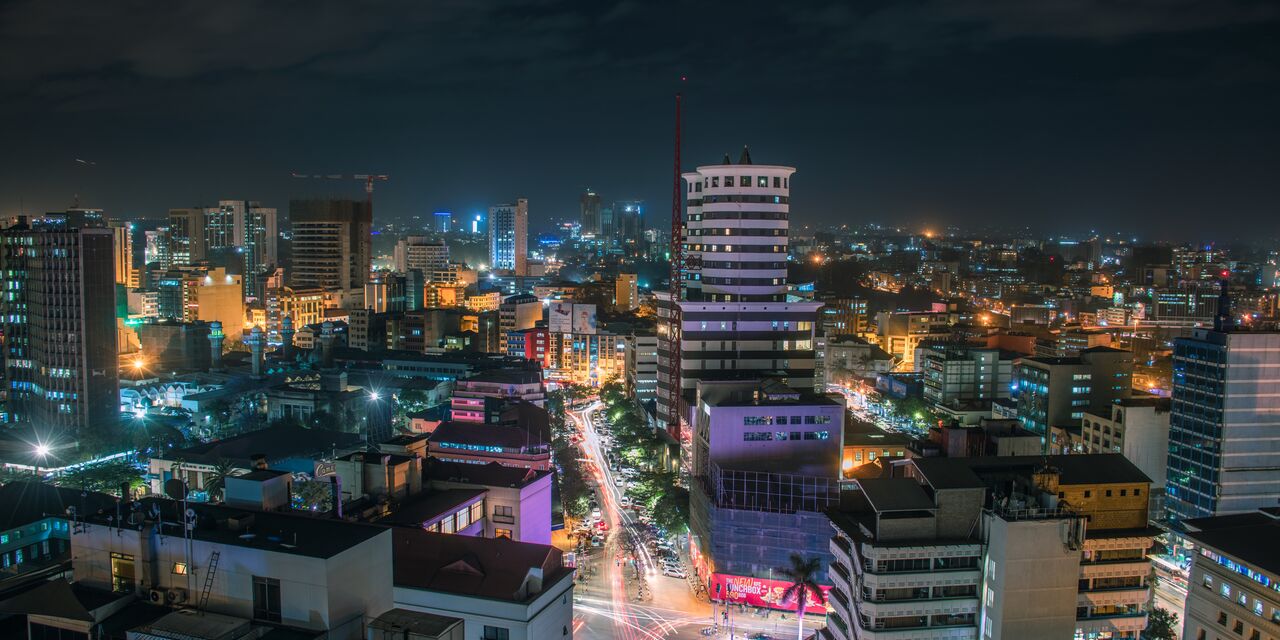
[(546, 617), (1030, 580)]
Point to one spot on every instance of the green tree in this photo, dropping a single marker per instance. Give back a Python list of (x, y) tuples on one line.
[(104, 477), (312, 495), (215, 483), (1162, 624), (802, 574)]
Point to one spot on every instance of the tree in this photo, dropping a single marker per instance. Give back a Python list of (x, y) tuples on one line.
[(312, 495), (802, 574), (215, 483), (1161, 625), (104, 477)]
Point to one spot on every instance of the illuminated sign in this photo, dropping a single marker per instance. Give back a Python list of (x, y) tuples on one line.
[(760, 592)]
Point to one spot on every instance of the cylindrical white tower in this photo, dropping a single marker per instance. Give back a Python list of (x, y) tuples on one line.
[(737, 232)]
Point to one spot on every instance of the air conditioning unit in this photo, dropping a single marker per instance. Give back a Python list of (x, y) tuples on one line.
[(175, 596), (155, 596)]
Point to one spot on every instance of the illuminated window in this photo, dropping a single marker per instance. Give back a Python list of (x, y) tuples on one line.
[(180, 568)]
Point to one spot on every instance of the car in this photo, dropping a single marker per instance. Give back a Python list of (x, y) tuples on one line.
[(597, 541), (595, 513), (760, 636), (674, 572)]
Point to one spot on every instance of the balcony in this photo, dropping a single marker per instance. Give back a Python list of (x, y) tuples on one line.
[(1115, 568), (923, 607), (1120, 596)]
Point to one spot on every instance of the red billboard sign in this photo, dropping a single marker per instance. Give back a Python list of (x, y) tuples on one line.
[(759, 592)]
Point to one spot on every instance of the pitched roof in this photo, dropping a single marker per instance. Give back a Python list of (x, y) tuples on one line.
[(895, 494), (470, 566)]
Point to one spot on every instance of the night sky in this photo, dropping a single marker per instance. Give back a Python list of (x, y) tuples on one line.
[(1142, 115)]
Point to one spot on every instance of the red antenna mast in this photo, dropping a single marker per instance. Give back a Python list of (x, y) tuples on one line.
[(677, 274)]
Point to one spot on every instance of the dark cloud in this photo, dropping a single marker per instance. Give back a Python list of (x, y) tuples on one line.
[(958, 109)]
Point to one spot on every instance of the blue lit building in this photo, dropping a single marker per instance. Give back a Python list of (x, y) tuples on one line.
[(1224, 427), (442, 221)]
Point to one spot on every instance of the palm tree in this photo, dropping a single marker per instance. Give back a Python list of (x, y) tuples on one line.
[(215, 484), (804, 587)]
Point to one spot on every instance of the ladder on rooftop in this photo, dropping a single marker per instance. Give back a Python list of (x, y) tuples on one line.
[(208, 580)]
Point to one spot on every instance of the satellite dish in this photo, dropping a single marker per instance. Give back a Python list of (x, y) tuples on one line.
[(176, 489)]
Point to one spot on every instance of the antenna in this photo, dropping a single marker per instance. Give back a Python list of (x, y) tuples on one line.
[(677, 269)]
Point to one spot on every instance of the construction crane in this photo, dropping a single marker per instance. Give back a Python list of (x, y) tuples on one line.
[(368, 178)]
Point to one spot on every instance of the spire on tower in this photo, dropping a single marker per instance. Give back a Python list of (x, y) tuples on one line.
[(746, 156), (727, 160), (1224, 321)]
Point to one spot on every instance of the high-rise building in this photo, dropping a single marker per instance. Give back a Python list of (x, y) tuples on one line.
[(332, 244), (422, 253), (259, 243), (58, 320), (627, 223), (122, 243), (156, 251), (186, 236), (736, 322), (1224, 425), (589, 204), (442, 221), (626, 292), (509, 237)]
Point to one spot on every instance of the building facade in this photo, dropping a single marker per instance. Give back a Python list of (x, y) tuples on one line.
[(509, 237)]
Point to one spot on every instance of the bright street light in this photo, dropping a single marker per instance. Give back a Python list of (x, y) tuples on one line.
[(42, 450)]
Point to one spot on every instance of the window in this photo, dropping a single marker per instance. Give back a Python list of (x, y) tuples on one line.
[(715, 181), (266, 599), (762, 181), (121, 572), (1137, 492), (1108, 493), (179, 568), (1208, 581), (1088, 494), (777, 182), (744, 181), (502, 533), (477, 511), (496, 633), (504, 514)]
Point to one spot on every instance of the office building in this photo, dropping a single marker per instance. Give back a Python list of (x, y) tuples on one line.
[(509, 237), (1138, 427), (1231, 588), (122, 246), (186, 236), (628, 222), (1004, 547), (1224, 444), (734, 320), (331, 244), (259, 245), (642, 367), (156, 251), (901, 332), (844, 316), (766, 462), (589, 216), (515, 313), (626, 292), (960, 374), (421, 253), (1053, 394), (58, 321)]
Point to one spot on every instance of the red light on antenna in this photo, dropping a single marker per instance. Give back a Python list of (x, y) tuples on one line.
[(1225, 273)]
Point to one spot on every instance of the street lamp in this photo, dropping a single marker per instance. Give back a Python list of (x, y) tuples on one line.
[(42, 452)]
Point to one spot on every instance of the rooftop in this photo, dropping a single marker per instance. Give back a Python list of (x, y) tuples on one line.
[(431, 505), (273, 531), (490, 475), (495, 568), (491, 435), (1247, 537), (276, 443), (895, 494)]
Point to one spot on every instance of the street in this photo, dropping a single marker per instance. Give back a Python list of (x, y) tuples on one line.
[(625, 594)]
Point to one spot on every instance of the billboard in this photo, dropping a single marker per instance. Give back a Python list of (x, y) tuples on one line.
[(759, 592), (584, 318), (560, 317)]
